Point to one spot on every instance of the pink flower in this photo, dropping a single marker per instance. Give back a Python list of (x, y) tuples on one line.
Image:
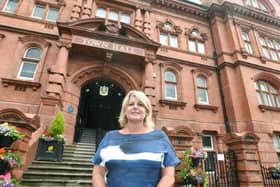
[(6, 177)]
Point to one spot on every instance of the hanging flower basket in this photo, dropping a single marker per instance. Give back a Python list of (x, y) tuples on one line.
[(4, 166), (5, 141)]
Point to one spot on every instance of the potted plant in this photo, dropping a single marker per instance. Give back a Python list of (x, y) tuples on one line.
[(8, 161), (9, 134), (51, 142), (191, 173), (275, 172)]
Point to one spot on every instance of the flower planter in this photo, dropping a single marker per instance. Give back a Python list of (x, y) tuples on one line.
[(195, 161), (4, 166), (49, 150), (5, 141)]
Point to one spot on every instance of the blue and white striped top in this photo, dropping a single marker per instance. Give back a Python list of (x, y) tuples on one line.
[(135, 160)]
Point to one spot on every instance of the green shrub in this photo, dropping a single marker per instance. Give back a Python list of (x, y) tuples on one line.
[(57, 126)]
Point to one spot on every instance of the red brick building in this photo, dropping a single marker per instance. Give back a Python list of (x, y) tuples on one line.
[(210, 68)]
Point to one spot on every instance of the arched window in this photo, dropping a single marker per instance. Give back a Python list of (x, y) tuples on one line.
[(29, 63), (267, 94), (201, 90), (170, 85)]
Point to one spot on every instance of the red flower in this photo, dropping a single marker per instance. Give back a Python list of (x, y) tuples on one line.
[(46, 133)]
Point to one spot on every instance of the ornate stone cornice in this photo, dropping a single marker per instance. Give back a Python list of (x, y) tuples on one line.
[(183, 7), (229, 8)]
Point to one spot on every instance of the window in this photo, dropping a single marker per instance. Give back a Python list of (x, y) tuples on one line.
[(266, 94), (170, 85), (195, 43), (168, 34), (11, 6), (45, 12), (256, 4), (270, 48), (276, 142), (201, 90), (29, 63), (207, 142), (247, 43), (113, 15)]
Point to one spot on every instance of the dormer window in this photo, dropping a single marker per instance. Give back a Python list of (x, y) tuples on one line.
[(113, 15), (168, 34), (196, 41), (256, 4)]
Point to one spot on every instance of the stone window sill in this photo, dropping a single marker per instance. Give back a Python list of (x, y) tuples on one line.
[(21, 85), (205, 107), (173, 104), (271, 108)]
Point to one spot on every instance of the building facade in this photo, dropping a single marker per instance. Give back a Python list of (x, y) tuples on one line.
[(210, 68)]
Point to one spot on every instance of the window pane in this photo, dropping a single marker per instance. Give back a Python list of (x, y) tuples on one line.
[(277, 45), (276, 101), (270, 44), (168, 25), (274, 55), (11, 6), (265, 52), (163, 39), (191, 45), (201, 48), (267, 100), (245, 36), (33, 53), (125, 18), (207, 142), (263, 86), (202, 96), (272, 89), (201, 82), (170, 91), (195, 32), (39, 11), (248, 48), (259, 98), (173, 41), (276, 141), (256, 85), (262, 41), (169, 76), (52, 14), (28, 69), (113, 16), (100, 12)]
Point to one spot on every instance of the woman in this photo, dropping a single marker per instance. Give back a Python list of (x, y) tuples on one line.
[(137, 155)]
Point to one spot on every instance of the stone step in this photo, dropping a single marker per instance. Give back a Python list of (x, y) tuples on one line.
[(59, 164), (56, 183), (63, 168), (56, 175)]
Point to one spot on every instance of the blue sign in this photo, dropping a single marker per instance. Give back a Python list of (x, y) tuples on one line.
[(70, 109)]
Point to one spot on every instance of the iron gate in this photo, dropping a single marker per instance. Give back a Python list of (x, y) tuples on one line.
[(221, 169)]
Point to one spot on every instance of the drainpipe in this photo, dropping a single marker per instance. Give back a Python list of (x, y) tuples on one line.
[(227, 125)]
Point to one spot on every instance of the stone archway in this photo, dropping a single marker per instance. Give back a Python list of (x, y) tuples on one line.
[(86, 78)]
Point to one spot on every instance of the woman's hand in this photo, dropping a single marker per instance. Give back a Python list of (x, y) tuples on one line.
[(98, 174), (167, 177)]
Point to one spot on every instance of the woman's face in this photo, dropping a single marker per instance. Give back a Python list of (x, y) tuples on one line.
[(135, 110)]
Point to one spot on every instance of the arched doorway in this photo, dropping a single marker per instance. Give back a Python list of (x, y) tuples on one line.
[(99, 108)]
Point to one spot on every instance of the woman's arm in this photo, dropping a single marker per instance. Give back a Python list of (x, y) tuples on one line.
[(167, 177), (98, 173)]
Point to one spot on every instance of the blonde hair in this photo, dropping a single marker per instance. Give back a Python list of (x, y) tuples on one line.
[(148, 121)]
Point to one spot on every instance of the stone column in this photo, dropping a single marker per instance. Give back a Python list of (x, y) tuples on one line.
[(51, 102), (245, 148), (147, 23), (138, 20), (148, 82)]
